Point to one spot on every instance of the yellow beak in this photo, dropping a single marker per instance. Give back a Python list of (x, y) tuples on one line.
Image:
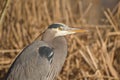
[(78, 30)]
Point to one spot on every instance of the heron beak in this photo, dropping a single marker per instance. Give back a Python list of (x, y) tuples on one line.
[(77, 30), (70, 31)]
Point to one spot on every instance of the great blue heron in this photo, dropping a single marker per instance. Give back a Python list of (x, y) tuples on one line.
[(43, 59)]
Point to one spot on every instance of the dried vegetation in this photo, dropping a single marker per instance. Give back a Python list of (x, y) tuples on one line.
[(92, 56)]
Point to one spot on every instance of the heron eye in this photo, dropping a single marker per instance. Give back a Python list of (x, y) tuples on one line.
[(60, 28)]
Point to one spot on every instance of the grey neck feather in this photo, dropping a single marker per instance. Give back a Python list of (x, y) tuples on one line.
[(49, 37)]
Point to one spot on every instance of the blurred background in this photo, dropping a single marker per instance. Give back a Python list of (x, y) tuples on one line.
[(92, 56)]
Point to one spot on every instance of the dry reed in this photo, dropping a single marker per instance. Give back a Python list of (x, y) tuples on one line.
[(92, 56)]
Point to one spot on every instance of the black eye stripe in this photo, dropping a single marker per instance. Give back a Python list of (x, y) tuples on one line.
[(55, 26), (46, 52)]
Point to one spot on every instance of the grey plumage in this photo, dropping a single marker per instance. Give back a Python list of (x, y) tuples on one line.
[(42, 59)]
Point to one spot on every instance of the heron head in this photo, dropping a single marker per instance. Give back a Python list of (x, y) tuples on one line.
[(61, 29)]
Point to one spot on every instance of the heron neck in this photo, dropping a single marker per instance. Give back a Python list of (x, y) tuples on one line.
[(50, 38), (59, 41)]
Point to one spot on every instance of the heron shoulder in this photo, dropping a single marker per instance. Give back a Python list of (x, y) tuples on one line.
[(38, 48), (31, 56), (46, 52)]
